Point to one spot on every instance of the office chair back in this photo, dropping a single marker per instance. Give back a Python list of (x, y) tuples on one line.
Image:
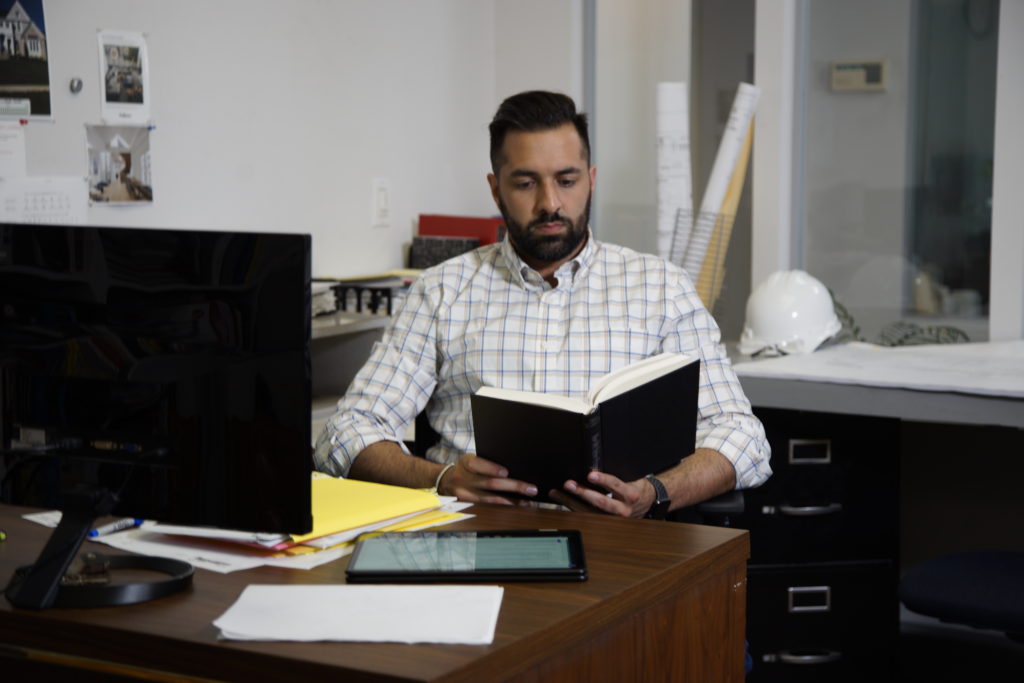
[(983, 589)]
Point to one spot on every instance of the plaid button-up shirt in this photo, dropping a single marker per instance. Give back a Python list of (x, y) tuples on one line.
[(486, 318)]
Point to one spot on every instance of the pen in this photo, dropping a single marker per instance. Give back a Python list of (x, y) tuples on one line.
[(126, 523)]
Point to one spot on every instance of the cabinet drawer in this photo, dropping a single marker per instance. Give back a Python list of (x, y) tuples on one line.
[(823, 623), (833, 495)]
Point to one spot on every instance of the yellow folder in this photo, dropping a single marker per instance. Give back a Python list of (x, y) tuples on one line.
[(341, 504)]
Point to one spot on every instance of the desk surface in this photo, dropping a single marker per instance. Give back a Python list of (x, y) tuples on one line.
[(907, 404), (973, 384), (664, 601)]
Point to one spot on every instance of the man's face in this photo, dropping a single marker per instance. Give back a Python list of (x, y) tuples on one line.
[(543, 190)]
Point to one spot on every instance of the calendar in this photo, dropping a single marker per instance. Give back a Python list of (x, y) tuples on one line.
[(62, 201)]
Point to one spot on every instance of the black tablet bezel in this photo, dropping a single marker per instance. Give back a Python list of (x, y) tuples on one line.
[(577, 571)]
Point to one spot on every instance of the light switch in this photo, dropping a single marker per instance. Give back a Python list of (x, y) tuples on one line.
[(381, 203)]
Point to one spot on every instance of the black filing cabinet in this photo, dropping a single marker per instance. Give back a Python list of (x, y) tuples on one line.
[(824, 534)]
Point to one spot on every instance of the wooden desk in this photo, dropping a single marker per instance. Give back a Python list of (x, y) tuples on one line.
[(664, 601)]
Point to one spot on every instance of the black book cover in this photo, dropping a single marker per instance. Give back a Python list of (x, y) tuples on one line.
[(647, 429)]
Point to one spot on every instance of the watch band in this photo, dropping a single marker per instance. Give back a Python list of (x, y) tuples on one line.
[(659, 508)]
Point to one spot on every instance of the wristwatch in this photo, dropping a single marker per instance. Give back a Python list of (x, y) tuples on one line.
[(661, 500)]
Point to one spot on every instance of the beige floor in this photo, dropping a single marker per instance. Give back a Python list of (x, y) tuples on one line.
[(116, 191)]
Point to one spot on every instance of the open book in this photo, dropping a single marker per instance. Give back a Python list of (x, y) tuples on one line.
[(636, 420)]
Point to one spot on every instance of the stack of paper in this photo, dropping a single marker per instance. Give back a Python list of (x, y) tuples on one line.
[(342, 510)]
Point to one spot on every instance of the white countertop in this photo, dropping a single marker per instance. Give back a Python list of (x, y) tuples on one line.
[(957, 383)]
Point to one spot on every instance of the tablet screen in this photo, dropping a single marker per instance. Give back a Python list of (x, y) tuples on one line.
[(469, 555)]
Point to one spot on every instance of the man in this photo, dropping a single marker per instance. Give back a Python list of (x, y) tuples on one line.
[(547, 309)]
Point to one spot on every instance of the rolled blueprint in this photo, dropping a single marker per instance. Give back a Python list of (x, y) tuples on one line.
[(712, 272), (724, 169)]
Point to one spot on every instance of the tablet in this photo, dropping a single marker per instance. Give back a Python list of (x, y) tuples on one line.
[(534, 555)]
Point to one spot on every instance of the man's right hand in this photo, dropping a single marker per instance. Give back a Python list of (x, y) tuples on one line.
[(478, 480)]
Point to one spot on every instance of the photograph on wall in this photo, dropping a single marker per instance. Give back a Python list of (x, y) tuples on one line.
[(24, 61), (119, 166), (124, 73)]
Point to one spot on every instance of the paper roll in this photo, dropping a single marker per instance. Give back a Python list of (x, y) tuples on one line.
[(722, 177), (712, 272), (675, 184)]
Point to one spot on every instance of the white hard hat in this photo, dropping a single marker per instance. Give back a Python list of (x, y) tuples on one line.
[(790, 312)]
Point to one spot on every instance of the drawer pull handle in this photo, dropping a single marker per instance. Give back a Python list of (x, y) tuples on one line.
[(810, 598), (810, 510), (802, 657), (810, 451)]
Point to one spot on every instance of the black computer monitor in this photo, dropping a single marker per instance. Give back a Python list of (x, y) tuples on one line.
[(155, 373)]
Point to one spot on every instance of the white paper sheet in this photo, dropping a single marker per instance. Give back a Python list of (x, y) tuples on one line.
[(267, 540), (377, 613), (12, 149), (50, 518), (988, 368)]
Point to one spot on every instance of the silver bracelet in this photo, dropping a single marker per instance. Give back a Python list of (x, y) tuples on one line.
[(437, 482)]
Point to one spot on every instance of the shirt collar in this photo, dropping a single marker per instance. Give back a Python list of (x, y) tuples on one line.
[(567, 273)]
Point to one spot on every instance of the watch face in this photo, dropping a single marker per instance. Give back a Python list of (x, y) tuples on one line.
[(658, 510)]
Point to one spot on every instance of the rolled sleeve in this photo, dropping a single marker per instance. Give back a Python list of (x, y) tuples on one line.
[(388, 392), (725, 421)]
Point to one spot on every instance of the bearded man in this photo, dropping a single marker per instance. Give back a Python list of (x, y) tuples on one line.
[(548, 308)]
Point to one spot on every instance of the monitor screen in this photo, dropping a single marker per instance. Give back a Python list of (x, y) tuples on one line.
[(170, 368)]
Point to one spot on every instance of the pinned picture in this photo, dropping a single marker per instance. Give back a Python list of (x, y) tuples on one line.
[(24, 60), (119, 164), (124, 73)]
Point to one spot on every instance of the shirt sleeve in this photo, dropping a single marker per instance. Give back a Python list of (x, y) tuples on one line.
[(388, 391), (725, 421)]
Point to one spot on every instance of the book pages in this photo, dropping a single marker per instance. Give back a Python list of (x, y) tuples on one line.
[(633, 375), (573, 405), (675, 185)]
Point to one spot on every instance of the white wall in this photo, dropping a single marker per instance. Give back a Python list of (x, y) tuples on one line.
[(539, 46), (856, 146), (638, 45), (276, 116)]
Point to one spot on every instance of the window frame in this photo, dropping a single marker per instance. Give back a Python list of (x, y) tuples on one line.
[(780, 45)]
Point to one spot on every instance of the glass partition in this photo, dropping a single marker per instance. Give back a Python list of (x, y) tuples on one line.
[(896, 159)]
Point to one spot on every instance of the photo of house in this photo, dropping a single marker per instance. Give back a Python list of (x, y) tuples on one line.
[(119, 164), (24, 64)]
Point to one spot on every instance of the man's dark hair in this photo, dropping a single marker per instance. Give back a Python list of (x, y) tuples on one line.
[(532, 111)]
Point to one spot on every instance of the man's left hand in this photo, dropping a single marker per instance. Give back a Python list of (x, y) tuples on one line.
[(606, 493)]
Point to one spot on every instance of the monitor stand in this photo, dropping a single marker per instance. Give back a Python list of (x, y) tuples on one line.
[(42, 585)]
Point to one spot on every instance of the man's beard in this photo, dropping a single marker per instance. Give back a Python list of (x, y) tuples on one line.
[(546, 248)]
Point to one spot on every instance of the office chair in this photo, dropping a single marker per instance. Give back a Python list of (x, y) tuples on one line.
[(426, 436), (983, 589)]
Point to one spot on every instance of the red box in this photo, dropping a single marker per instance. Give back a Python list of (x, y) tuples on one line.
[(487, 230)]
